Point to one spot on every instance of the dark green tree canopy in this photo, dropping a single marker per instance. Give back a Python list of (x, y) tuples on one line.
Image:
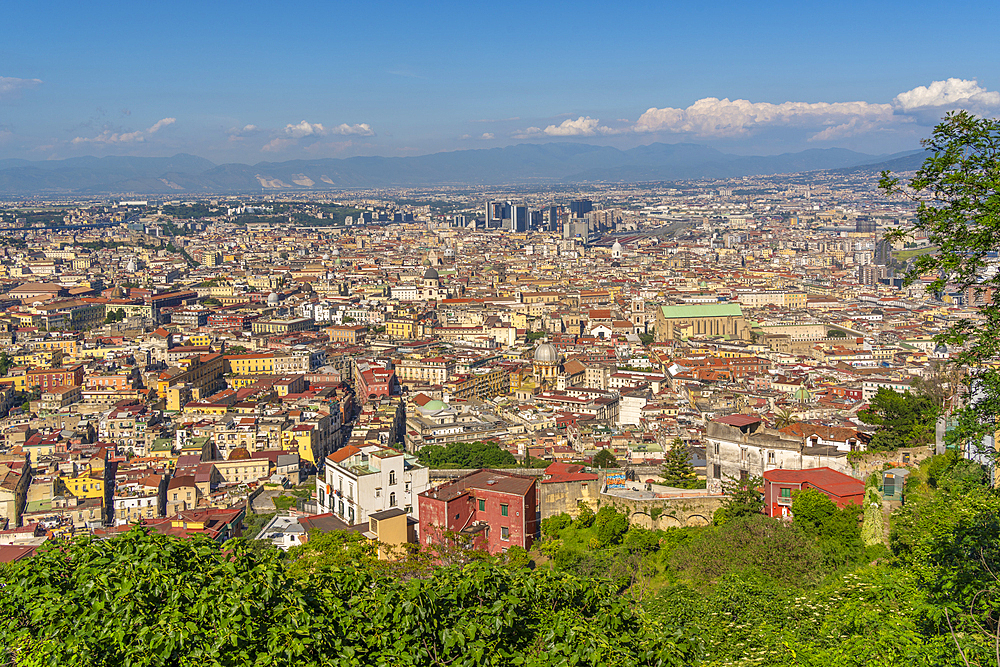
[(958, 190), (466, 455), (903, 420), (605, 459), (677, 469)]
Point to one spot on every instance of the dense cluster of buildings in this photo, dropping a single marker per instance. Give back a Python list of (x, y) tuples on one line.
[(166, 369)]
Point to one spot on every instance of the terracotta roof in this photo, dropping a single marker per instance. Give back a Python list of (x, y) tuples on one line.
[(344, 453)]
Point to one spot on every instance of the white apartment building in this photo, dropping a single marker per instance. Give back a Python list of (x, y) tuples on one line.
[(357, 482)]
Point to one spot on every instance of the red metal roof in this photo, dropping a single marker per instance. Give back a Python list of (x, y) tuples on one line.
[(825, 479)]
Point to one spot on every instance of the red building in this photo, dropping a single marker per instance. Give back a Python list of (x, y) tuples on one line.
[(780, 486), (495, 509), (377, 383), (50, 378)]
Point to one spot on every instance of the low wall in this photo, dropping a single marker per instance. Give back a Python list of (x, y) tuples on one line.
[(662, 513)]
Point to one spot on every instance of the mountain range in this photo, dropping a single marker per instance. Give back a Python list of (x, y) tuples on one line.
[(553, 163)]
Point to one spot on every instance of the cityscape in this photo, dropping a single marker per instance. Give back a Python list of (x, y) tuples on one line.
[(712, 384)]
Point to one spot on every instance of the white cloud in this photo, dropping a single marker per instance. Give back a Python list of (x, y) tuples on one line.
[(361, 129), (584, 126), (160, 124), (11, 86), (304, 129), (307, 129), (137, 136), (712, 117), (488, 136), (529, 133), (248, 128), (948, 94)]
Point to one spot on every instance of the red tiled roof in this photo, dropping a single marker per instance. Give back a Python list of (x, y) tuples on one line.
[(825, 479)]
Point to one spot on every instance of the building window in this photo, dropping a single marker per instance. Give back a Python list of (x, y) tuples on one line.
[(770, 458), (378, 493), (392, 500), (716, 449), (392, 477), (482, 505), (504, 533), (503, 510)]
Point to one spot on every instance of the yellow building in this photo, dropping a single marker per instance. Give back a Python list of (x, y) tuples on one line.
[(38, 358), (87, 485), (68, 346), (300, 438), (194, 378), (247, 364), (400, 327), (200, 340)]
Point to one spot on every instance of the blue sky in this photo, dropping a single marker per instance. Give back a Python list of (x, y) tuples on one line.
[(255, 81)]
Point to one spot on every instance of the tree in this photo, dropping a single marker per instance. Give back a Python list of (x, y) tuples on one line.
[(5, 362), (605, 459), (611, 525), (904, 420), (784, 418), (192, 601), (743, 499), (941, 382), (834, 529), (466, 455), (774, 547), (677, 469), (958, 190)]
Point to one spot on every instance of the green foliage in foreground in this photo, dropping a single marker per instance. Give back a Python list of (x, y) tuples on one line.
[(466, 455), (903, 420), (144, 599), (751, 591)]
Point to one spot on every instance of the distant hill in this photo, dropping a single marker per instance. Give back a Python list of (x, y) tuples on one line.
[(900, 162), (522, 163)]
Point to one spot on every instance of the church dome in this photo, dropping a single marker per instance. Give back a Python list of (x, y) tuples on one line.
[(272, 299), (546, 353), (239, 454), (431, 274), (617, 247)]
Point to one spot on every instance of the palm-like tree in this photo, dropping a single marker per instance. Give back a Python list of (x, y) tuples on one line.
[(783, 418)]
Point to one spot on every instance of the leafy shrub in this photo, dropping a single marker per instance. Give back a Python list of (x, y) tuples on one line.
[(775, 548), (611, 525), (145, 599), (553, 524)]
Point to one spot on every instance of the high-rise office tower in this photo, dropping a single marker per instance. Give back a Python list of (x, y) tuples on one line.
[(580, 207), (553, 218), (518, 218)]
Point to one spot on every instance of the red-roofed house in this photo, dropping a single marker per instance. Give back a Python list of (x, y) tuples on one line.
[(780, 485)]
